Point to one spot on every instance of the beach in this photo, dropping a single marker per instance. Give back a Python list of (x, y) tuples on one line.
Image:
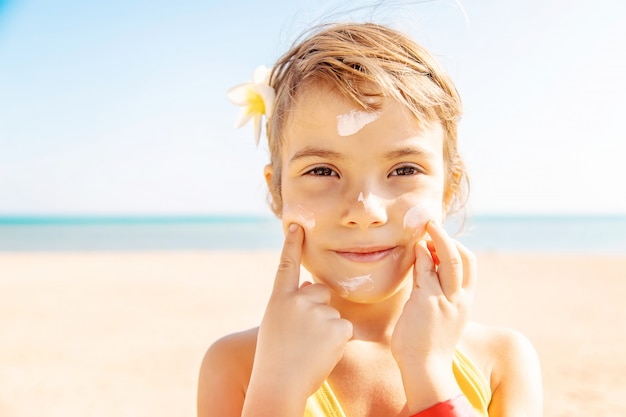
[(123, 333)]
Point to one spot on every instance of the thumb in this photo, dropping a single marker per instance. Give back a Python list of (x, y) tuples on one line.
[(288, 274)]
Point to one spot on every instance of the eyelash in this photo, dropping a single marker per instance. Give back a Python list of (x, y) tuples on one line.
[(324, 171), (317, 172), (414, 171)]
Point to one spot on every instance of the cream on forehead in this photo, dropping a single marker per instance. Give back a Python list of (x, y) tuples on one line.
[(300, 215), (349, 285), (350, 123)]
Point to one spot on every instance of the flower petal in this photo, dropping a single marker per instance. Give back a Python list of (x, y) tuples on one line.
[(238, 95), (257, 128), (268, 94), (256, 99), (261, 75), (243, 118)]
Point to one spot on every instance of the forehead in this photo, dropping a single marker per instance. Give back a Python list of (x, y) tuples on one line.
[(315, 92), (320, 115)]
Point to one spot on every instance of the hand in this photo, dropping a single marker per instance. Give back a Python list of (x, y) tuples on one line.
[(301, 337), (433, 319)]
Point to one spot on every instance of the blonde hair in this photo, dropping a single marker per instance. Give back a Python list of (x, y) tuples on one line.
[(351, 58)]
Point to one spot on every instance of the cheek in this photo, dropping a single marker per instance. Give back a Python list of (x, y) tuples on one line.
[(417, 216), (414, 217), (300, 214)]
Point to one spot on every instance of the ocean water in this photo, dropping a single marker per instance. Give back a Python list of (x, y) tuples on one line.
[(481, 233)]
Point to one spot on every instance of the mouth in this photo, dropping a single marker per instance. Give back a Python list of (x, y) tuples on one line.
[(363, 254)]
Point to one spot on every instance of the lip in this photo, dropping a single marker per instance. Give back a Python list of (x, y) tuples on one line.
[(366, 254)]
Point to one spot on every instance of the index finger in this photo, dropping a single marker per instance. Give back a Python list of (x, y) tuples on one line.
[(470, 270), (288, 274)]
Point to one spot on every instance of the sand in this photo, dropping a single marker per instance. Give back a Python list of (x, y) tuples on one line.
[(123, 334)]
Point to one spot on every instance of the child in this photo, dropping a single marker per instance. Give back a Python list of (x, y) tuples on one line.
[(362, 127)]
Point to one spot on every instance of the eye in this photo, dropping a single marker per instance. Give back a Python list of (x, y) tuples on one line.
[(406, 170), (322, 171)]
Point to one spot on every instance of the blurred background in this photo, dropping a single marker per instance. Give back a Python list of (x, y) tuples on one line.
[(116, 112), (120, 166)]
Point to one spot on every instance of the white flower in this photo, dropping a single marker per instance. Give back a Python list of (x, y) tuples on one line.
[(256, 98)]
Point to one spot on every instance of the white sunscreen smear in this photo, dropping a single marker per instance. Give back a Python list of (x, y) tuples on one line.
[(413, 217), (350, 123), (352, 284), (370, 202), (416, 218), (300, 215)]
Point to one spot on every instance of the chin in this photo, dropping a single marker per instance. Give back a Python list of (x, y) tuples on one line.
[(366, 287)]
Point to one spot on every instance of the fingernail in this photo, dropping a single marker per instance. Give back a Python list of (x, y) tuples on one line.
[(293, 227)]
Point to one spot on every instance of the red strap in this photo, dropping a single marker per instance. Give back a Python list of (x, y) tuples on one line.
[(454, 407)]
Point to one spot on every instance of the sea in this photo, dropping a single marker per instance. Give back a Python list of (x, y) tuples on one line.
[(564, 234)]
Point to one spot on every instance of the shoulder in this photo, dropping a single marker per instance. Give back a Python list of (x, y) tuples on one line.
[(231, 356), (497, 346), (233, 346), (510, 364), (225, 373)]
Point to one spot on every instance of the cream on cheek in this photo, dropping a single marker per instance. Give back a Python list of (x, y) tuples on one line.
[(350, 123), (416, 218), (299, 214)]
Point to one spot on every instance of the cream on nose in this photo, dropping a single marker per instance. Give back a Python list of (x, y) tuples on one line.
[(370, 202), (373, 211)]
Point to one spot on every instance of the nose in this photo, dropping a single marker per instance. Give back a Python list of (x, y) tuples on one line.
[(365, 210)]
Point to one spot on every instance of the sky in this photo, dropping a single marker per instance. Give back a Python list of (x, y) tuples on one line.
[(120, 108)]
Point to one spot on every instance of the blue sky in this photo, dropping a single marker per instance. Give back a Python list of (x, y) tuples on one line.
[(120, 107)]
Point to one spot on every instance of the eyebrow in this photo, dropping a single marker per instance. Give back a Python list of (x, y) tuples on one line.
[(311, 152), (409, 151)]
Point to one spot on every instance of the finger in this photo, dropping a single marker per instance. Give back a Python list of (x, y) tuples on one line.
[(470, 267), (344, 329), (424, 272), (450, 269), (325, 312), (288, 274), (317, 293)]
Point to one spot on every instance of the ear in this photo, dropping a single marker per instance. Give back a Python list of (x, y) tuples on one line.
[(268, 172), (273, 199)]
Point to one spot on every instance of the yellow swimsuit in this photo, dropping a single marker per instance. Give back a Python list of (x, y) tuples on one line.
[(472, 382)]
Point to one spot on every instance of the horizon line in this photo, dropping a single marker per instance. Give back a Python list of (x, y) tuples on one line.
[(213, 218)]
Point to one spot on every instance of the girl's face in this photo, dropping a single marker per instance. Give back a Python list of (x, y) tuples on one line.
[(363, 185)]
